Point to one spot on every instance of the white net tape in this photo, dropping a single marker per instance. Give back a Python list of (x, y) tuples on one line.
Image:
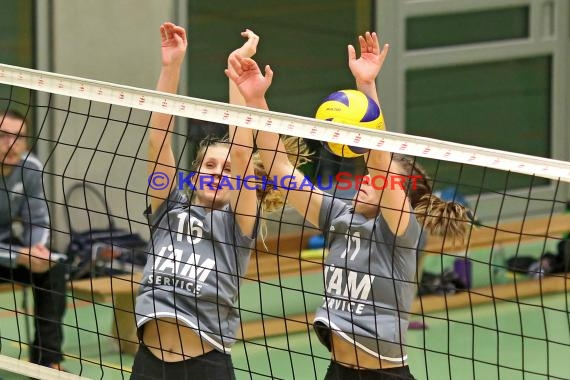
[(34, 370), (282, 123)]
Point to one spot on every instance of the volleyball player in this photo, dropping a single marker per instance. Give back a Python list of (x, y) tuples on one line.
[(185, 310), (201, 240), (370, 268)]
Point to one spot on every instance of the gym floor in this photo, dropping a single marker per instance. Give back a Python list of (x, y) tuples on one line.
[(505, 340)]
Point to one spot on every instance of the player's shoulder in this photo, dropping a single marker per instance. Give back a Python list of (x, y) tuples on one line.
[(337, 204), (32, 162)]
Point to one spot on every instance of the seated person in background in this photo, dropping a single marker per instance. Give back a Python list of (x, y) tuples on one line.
[(25, 258)]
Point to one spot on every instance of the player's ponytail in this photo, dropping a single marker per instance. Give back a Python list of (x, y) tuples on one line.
[(441, 218), (270, 197)]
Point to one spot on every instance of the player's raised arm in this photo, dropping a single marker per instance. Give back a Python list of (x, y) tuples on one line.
[(253, 85), (366, 68), (393, 203), (160, 155), (243, 200)]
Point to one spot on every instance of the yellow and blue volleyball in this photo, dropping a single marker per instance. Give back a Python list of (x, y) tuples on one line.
[(350, 107)]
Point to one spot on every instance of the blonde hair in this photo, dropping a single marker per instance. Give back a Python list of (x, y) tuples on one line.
[(269, 197), (439, 217)]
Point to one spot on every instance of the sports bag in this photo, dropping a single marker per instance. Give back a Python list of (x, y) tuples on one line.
[(105, 251)]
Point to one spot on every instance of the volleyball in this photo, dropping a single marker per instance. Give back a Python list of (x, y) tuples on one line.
[(350, 107)]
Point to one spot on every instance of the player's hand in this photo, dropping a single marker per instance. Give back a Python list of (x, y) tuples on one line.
[(249, 48), (173, 44), (366, 68), (35, 258), (247, 76)]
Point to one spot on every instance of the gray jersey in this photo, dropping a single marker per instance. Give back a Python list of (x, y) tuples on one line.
[(197, 258), (369, 280), (22, 199)]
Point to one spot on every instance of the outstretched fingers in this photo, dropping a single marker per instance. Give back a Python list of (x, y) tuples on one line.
[(384, 51), (371, 43), (252, 38), (171, 34), (362, 43), (268, 74), (249, 48), (236, 64), (351, 53), (168, 26), (179, 33), (231, 74)]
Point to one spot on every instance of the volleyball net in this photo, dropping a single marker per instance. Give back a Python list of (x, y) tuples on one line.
[(494, 306)]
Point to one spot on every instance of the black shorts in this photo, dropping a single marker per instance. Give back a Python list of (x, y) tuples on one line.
[(212, 365), (340, 372)]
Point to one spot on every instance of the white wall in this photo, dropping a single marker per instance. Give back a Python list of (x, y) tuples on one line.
[(548, 34), (111, 41)]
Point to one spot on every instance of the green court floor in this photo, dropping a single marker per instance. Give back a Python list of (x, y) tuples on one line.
[(529, 341), (507, 340)]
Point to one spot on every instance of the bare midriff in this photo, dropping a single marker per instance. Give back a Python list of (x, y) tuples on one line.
[(171, 341), (348, 355)]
